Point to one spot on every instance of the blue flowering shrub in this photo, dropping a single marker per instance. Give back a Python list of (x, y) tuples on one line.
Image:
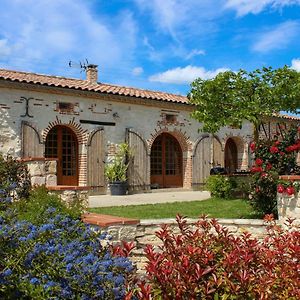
[(59, 259), (47, 252)]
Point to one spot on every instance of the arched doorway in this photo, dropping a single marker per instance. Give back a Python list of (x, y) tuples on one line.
[(61, 143), (231, 156), (166, 162)]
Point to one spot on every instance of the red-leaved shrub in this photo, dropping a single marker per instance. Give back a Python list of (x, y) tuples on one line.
[(207, 261)]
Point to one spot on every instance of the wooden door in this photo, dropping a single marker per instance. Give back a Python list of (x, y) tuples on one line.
[(201, 161), (202, 157), (31, 143), (231, 160), (138, 170), (218, 153), (95, 162), (166, 162), (61, 143)]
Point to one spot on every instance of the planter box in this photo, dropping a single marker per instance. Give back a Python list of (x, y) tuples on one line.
[(118, 188)]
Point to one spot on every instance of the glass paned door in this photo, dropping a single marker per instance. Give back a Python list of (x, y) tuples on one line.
[(61, 143), (166, 162)]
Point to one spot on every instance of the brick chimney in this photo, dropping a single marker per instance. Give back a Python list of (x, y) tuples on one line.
[(92, 73)]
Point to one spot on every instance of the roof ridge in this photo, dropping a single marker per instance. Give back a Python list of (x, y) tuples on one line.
[(98, 83), (287, 116), (140, 89), (41, 74), (99, 87)]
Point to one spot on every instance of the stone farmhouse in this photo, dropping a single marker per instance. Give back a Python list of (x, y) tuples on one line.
[(67, 129)]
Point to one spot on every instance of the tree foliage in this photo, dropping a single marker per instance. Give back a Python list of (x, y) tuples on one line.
[(233, 97)]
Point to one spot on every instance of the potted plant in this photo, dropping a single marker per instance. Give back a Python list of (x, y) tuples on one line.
[(116, 170)]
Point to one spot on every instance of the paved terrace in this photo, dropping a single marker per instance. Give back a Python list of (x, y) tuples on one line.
[(153, 197)]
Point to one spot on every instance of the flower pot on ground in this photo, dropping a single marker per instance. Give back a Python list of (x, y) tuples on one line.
[(118, 188), (116, 170)]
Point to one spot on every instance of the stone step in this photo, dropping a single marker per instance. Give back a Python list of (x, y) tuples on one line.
[(107, 220)]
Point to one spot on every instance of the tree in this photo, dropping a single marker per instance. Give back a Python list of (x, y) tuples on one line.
[(231, 98)]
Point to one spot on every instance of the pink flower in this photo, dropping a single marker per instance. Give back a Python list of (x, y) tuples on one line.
[(290, 190), (258, 161), (274, 149), (268, 166), (291, 148), (256, 169), (280, 188)]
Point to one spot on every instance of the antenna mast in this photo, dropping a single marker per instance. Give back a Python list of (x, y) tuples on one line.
[(81, 65)]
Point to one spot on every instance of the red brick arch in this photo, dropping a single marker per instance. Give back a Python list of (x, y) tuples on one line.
[(81, 134), (240, 145), (181, 137)]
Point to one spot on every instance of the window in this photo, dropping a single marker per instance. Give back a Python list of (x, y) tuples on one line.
[(65, 107), (171, 118)]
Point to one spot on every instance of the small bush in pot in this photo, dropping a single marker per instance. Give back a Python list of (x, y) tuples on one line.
[(116, 170)]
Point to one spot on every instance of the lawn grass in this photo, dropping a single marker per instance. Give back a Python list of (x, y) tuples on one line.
[(213, 207)]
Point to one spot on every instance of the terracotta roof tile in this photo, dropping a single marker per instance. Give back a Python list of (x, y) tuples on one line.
[(289, 117), (57, 81)]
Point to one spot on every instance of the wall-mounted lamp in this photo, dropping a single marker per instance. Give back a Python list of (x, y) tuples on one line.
[(116, 115)]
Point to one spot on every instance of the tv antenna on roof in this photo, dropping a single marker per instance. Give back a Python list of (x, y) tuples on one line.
[(81, 65)]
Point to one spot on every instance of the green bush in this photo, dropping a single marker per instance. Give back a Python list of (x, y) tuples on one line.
[(220, 186), (243, 185), (33, 210), (14, 172), (264, 191)]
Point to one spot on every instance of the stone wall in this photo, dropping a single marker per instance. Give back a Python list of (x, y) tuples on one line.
[(144, 233), (71, 195), (115, 113), (42, 171), (289, 206)]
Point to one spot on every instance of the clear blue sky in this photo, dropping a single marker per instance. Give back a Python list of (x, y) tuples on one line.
[(152, 44)]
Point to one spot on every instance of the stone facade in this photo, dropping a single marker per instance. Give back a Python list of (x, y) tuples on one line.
[(30, 110), (289, 206), (42, 171)]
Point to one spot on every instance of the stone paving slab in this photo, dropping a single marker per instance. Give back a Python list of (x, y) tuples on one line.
[(147, 198)]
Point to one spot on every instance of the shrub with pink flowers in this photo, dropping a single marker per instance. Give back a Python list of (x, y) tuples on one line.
[(273, 158)]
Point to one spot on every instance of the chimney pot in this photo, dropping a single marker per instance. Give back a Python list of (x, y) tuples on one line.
[(92, 73)]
